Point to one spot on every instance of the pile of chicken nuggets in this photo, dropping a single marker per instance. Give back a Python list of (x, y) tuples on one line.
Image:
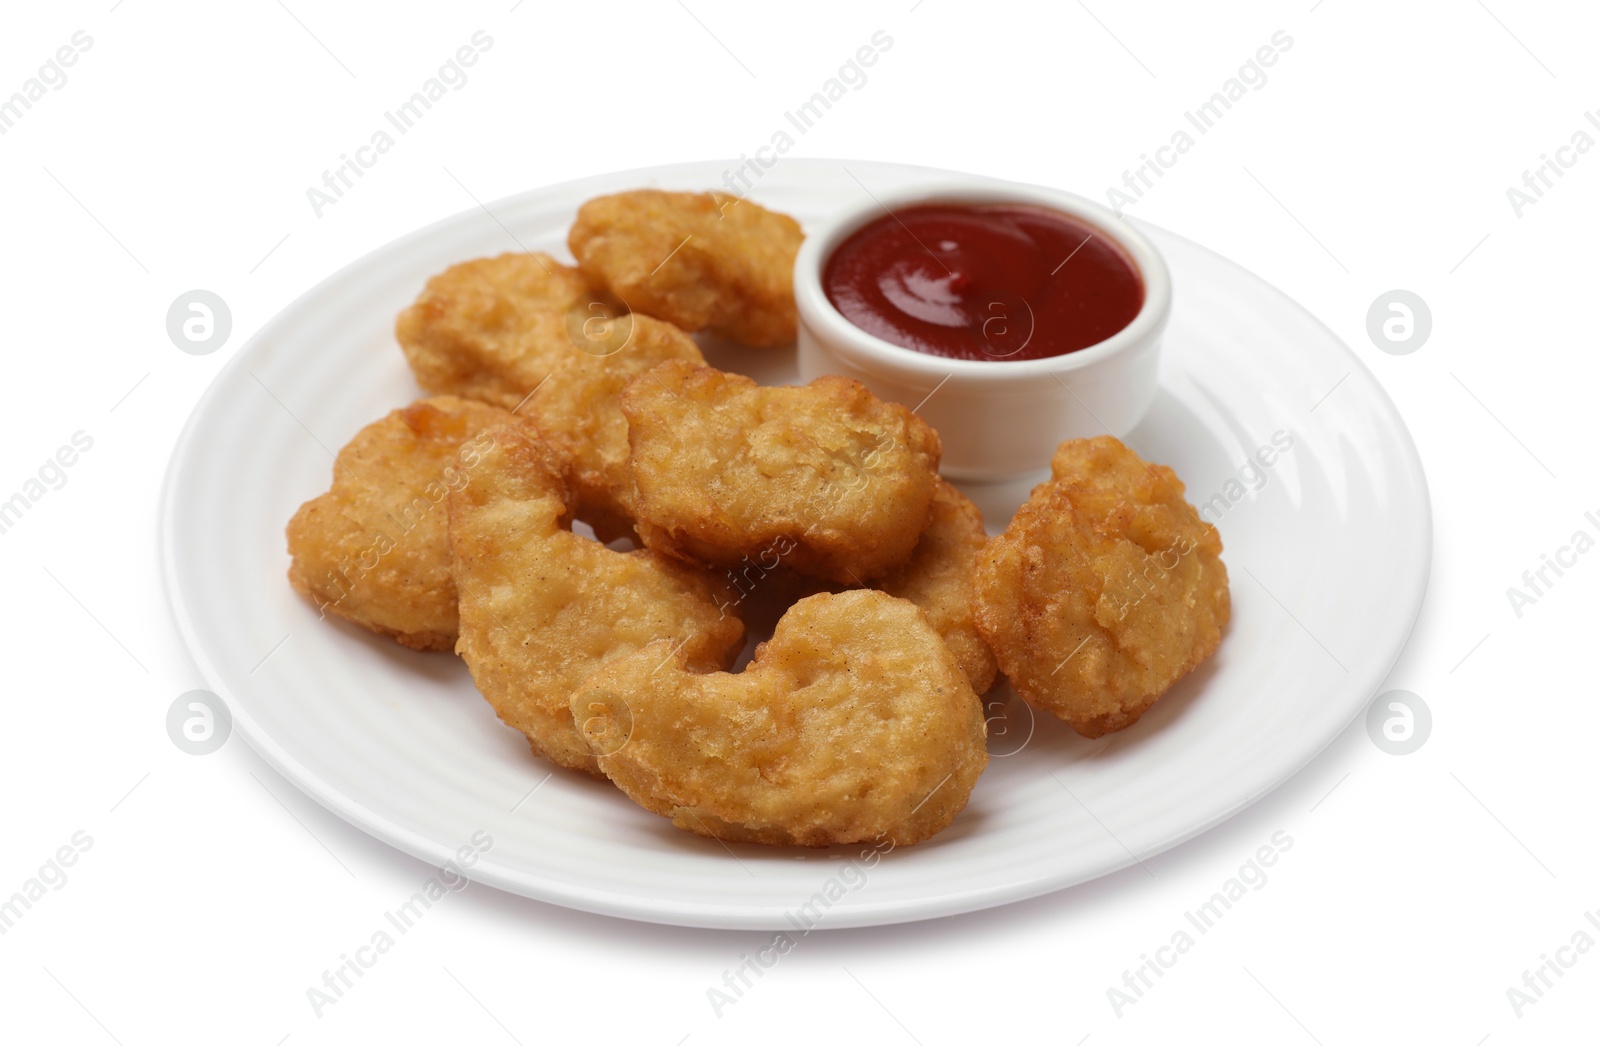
[(561, 393)]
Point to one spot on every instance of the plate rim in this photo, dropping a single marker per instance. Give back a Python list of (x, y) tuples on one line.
[(671, 910)]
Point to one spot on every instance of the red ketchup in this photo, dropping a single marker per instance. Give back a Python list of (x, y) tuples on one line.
[(984, 282)]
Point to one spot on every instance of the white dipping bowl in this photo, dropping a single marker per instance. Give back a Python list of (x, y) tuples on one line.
[(997, 419)]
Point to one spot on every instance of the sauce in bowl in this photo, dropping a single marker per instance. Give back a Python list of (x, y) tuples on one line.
[(984, 282)]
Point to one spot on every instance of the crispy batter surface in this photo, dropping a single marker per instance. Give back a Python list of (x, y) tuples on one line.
[(699, 260), (491, 329), (854, 722), (938, 578), (578, 411), (373, 549), (541, 607), (1104, 590), (836, 482)]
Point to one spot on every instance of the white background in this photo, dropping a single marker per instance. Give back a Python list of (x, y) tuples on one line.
[(1377, 156)]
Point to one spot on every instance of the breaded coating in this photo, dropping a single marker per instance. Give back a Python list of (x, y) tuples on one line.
[(836, 481), (1105, 589), (541, 607), (374, 549), (578, 411), (493, 328), (854, 723), (699, 260), (938, 578)]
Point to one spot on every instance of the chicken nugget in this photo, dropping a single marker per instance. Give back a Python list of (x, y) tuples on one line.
[(578, 412), (938, 578), (699, 260), (832, 480), (374, 549), (542, 607), (492, 329), (1104, 590), (853, 723)]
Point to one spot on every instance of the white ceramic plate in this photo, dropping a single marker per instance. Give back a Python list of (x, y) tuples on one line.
[(1328, 559)]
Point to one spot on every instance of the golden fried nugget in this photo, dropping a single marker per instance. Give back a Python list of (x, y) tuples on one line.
[(699, 260), (854, 722), (374, 549), (492, 329), (938, 578), (833, 481), (1104, 590), (578, 411), (541, 607)]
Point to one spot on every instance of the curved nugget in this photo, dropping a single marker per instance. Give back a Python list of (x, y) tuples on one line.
[(492, 329), (374, 549), (541, 607), (699, 260), (578, 411), (853, 723), (1105, 589), (833, 481), (938, 578)]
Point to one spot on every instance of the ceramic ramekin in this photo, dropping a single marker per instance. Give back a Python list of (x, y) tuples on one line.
[(997, 419)]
